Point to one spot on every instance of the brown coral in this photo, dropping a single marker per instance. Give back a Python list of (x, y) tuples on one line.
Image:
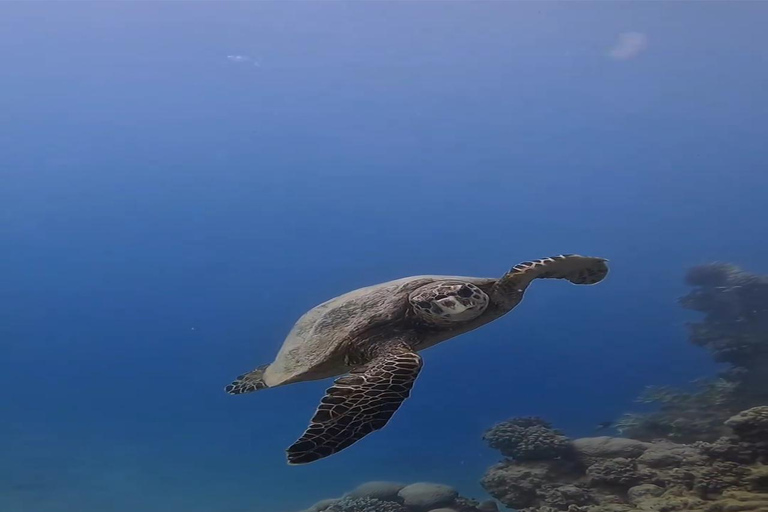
[(528, 438), (734, 330), (750, 425), (620, 472), (623, 475)]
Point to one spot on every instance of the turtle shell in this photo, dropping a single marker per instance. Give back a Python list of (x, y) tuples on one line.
[(316, 346)]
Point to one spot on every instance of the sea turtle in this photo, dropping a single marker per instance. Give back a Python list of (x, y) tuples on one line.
[(372, 337)]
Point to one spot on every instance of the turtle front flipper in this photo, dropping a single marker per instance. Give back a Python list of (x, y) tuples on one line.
[(358, 403), (577, 269), (248, 382)]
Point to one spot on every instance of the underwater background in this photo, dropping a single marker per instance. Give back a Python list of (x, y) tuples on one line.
[(179, 182)]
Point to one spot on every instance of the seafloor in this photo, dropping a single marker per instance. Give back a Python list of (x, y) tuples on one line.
[(704, 449)]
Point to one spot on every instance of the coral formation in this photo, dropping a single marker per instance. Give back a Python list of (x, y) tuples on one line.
[(528, 438), (751, 424), (735, 331), (703, 450), (606, 474), (395, 497), (365, 505)]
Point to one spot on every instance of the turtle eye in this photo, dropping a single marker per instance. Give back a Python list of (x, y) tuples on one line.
[(465, 291)]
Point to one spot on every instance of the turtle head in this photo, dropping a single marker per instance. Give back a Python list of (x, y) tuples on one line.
[(448, 302)]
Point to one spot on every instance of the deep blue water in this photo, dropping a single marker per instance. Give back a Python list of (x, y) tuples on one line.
[(167, 213)]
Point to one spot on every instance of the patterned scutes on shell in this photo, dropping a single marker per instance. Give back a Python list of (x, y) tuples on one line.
[(320, 335)]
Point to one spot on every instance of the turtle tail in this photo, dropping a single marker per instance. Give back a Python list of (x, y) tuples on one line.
[(248, 382)]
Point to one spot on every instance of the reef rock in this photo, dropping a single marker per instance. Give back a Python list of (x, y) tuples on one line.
[(592, 449), (488, 506), (428, 496), (384, 491), (740, 501), (664, 454), (642, 492)]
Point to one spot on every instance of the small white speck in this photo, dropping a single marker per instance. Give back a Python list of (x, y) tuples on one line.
[(628, 46), (244, 59)]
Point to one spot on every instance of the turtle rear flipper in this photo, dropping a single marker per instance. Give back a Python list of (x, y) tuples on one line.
[(571, 267), (248, 382), (359, 403)]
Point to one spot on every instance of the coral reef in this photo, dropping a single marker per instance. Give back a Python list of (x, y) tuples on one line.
[(605, 474), (396, 497), (703, 450), (735, 331)]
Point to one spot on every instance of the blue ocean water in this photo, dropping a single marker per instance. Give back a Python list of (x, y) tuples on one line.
[(179, 182)]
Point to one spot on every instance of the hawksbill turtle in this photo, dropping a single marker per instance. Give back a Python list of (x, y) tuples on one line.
[(372, 337)]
